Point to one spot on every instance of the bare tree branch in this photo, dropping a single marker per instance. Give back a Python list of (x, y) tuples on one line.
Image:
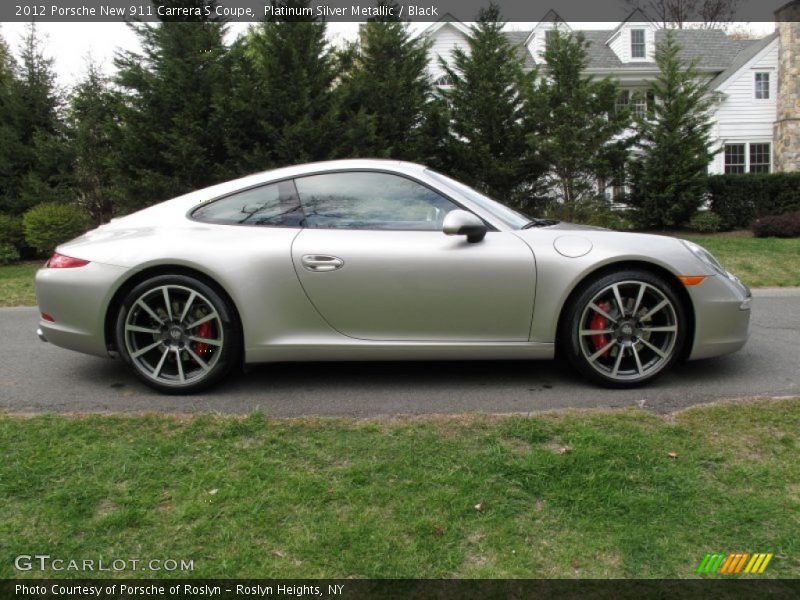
[(677, 14)]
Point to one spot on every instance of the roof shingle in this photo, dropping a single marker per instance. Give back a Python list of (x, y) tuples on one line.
[(713, 50)]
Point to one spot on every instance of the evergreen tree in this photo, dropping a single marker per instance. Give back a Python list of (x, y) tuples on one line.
[(7, 68), (674, 145), (285, 86), (433, 142), (33, 165), (93, 134), (247, 146), (8, 134), (486, 146), (385, 91), (574, 123), (175, 105)]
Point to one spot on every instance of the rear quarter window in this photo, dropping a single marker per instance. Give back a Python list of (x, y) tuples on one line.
[(273, 205)]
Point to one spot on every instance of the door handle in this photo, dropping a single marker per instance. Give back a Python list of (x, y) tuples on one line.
[(320, 263)]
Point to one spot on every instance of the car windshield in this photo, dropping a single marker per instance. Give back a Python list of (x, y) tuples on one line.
[(510, 217)]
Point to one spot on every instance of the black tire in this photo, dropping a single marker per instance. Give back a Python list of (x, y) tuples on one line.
[(629, 347), (172, 347)]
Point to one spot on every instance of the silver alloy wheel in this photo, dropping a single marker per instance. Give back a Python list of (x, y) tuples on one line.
[(628, 330), (174, 335)]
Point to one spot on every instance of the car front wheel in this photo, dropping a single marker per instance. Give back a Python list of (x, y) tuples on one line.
[(624, 329), (177, 333)]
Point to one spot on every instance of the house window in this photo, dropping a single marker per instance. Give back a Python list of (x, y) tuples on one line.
[(618, 183), (622, 100), (637, 43), (748, 158), (762, 86), (734, 158), (640, 103), (549, 35), (760, 158)]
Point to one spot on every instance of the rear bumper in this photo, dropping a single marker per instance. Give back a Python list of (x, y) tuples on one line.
[(77, 300), (722, 316)]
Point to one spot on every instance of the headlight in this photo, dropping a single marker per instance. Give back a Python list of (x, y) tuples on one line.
[(705, 257)]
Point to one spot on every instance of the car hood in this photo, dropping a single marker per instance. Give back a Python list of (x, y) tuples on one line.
[(576, 227), (600, 246)]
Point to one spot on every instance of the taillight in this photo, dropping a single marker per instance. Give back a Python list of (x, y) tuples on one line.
[(59, 261)]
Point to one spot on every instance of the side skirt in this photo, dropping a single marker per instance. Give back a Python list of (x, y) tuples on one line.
[(358, 350)]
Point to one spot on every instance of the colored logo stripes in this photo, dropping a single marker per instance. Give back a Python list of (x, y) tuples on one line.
[(735, 562)]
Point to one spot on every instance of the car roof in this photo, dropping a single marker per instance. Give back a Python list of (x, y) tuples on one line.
[(176, 208), (228, 187), (318, 167)]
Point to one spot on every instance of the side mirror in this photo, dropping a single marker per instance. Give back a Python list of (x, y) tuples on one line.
[(461, 222)]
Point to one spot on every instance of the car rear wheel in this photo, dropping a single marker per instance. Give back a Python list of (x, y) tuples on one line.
[(177, 333), (624, 329)]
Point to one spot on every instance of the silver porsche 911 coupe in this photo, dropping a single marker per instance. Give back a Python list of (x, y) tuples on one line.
[(379, 260)]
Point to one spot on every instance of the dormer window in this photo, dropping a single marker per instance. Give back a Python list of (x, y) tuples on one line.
[(548, 37), (445, 81), (637, 43)]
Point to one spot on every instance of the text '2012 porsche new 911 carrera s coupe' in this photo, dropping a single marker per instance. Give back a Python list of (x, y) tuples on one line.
[(379, 260)]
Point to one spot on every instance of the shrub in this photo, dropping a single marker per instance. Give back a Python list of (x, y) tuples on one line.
[(610, 219), (8, 254), (10, 231), (740, 199), (48, 225), (596, 212), (784, 226), (706, 222)]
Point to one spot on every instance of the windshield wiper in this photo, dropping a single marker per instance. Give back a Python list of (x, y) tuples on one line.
[(540, 223)]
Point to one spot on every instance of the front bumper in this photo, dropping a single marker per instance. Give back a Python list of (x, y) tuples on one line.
[(722, 316), (77, 300)]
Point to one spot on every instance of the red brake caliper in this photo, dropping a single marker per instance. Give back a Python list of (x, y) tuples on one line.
[(204, 330), (598, 321)]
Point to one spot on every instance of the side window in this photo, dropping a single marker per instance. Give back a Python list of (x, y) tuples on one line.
[(274, 205), (364, 200), (637, 43), (762, 86), (734, 158)]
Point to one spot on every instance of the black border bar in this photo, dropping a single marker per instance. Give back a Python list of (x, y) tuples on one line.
[(397, 589), (614, 11)]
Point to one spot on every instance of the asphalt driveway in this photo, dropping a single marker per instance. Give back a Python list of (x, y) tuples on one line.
[(37, 377)]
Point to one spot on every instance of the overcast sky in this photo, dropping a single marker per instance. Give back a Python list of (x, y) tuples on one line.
[(71, 43)]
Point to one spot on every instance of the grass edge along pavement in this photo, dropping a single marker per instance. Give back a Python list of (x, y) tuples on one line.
[(16, 284), (589, 494)]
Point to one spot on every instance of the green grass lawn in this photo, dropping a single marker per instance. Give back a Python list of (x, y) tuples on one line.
[(759, 262), (571, 494), (16, 284)]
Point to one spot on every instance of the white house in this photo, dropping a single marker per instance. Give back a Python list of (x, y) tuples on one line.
[(744, 75)]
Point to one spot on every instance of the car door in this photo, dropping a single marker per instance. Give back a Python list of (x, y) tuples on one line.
[(374, 262)]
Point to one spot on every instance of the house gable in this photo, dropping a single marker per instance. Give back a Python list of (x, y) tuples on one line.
[(739, 116), (760, 53), (536, 41), (634, 40), (445, 36)]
